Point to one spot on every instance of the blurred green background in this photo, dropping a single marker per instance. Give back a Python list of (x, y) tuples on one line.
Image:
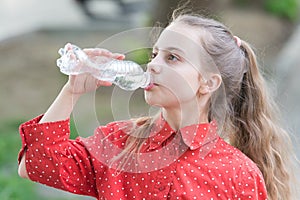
[(32, 31)]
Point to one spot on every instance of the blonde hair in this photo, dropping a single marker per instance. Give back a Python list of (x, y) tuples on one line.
[(249, 111)]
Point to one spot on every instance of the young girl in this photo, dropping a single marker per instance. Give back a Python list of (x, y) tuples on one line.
[(207, 83)]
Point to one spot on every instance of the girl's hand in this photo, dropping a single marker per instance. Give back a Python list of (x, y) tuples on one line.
[(84, 83)]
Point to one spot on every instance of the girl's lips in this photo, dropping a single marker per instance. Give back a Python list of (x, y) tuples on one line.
[(150, 86)]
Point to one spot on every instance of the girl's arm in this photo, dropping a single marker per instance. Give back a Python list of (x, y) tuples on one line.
[(63, 105), (53, 159), (60, 109), (76, 86)]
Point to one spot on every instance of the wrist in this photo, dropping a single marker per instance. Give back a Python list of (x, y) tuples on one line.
[(69, 91)]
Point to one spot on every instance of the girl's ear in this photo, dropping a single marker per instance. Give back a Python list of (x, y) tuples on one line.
[(214, 82), (210, 85)]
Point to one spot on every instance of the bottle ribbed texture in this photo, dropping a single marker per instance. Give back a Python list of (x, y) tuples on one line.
[(126, 74)]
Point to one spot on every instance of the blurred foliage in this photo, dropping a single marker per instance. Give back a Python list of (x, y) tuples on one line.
[(73, 130), (140, 56), (283, 8), (12, 187)]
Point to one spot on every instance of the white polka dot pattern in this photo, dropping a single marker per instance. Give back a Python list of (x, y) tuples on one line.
[(208, 168)]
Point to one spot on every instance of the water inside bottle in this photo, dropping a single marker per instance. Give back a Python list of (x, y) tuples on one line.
[(132, 81)]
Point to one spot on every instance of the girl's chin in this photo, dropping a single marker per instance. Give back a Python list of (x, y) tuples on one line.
[(152, 101)]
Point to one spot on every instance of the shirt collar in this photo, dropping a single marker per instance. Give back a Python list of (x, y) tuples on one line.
[(194, 136)]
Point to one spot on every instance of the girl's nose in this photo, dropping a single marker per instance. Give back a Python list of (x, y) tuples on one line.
[(154, 68)]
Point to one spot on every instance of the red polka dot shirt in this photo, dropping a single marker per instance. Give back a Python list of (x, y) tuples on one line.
[(192, 163)]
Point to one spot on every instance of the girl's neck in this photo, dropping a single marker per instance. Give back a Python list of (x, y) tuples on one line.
[(181, 117)]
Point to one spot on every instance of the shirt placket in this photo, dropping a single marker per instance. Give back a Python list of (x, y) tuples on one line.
[(163, 182)]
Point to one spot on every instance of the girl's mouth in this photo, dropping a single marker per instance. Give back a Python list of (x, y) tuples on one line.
[(150, 86)]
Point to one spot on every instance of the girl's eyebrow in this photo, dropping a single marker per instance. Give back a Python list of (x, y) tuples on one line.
[(169, 49)]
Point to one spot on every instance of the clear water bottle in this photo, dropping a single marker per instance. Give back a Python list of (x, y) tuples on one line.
[(126, 74)]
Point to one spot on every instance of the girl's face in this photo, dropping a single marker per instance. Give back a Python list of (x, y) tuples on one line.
[(175, 67)]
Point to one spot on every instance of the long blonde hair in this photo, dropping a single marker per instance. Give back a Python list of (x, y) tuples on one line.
[(249, 111), (251, 115)]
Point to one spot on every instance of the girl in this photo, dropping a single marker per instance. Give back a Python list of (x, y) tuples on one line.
[(207, 83)]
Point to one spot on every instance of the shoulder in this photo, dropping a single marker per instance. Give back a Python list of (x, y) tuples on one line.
[(245, 175), (234, 158)]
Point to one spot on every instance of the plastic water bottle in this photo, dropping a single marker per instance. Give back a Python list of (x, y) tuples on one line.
[(126, 74)]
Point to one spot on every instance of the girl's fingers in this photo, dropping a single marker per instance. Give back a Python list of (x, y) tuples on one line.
[(103, 52), (118, 56), (97, 52), (103, 83), (68, 46)]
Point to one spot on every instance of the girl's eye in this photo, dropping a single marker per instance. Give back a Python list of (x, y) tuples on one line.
[(153, 55), (173, 57)]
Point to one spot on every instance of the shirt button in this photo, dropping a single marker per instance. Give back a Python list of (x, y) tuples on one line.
[(161, 188)]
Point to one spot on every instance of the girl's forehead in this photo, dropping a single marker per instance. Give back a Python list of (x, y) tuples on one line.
[(178, 36)]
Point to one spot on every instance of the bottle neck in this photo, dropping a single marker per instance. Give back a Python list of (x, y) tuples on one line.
[(146, 80)]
